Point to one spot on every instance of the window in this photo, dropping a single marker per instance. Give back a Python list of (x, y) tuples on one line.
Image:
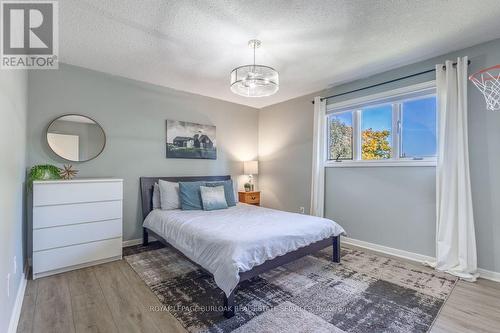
[(418, 128), (376, 131), (340, 136), (398, 127)]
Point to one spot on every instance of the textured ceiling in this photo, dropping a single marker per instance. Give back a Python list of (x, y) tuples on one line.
[(193, 45)]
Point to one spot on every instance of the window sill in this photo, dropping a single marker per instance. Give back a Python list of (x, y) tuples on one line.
[(387, 163)]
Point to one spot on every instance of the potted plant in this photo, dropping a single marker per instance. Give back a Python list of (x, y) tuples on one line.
[(43, 172)]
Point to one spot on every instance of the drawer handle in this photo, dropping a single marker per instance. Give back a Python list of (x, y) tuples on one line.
[(253, 198)]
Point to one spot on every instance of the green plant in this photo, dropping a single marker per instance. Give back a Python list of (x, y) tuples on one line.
[(42, 172)]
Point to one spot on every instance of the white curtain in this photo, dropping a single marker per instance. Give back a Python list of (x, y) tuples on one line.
[(455, 236), (318, 162)]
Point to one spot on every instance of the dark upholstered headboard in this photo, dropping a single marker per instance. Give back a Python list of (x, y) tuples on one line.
[(147, 184)]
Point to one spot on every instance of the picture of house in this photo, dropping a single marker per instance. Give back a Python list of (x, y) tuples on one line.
[(190, 140), (183, 141)]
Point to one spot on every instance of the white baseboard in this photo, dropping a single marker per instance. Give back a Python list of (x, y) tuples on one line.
[(388, 250), (489, 275), (18, 304), (483, 273), (138, 241)]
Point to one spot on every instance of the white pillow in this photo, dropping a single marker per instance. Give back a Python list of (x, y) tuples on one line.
[(169, 195), (235, 190), (156, 196)]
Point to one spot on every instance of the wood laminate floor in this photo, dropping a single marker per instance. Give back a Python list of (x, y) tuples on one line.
[(112, 298)]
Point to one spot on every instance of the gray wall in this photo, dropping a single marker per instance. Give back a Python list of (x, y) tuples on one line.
[(133, 115), (286, 151), (392, 206), (13, 110)]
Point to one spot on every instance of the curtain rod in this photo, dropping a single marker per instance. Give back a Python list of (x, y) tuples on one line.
[(386, 82)]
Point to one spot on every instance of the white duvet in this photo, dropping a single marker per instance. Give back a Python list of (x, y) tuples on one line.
[(229, 241)]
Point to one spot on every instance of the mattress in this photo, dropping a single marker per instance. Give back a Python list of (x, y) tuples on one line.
[(229, 241)]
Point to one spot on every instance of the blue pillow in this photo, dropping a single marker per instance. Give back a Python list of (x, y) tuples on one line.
[(213, 197), (228, 190), (190, 196)]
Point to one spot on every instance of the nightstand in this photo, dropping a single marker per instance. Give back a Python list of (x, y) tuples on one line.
[(252, 198)]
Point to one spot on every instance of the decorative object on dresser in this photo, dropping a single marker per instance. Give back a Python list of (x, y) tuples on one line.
[(76, 138), (250, 168), (191, 140), (67, 172), (252, 197), (76, 223)]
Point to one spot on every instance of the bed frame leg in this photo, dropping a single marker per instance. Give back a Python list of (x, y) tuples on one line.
[(336, 249), (145, 237), (229, 305)]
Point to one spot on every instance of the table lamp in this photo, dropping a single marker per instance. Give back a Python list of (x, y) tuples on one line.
[(251, 168)]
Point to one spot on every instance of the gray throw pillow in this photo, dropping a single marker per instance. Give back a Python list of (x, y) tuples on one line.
[(156, 197), (213, 197), (169, 195)]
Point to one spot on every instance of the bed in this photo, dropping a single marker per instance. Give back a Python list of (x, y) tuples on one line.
[(237, 243)]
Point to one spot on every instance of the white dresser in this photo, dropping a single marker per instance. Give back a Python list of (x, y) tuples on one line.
[(76, 223)]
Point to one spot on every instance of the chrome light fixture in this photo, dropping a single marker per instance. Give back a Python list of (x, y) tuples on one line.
[(254, 80)]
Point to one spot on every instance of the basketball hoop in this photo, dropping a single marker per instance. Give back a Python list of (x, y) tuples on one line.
[(488, 82)]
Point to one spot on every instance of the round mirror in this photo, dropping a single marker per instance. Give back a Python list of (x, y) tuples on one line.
[(76, 138)]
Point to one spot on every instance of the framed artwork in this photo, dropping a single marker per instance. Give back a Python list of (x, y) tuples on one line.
[(190, 140)]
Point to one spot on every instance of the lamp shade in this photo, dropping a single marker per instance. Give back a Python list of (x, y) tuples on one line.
[(251, 167), (254, 81)]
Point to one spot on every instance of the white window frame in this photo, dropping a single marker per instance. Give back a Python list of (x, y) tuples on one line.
[(396, 97)]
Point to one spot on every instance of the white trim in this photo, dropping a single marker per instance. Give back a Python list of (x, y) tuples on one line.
[(18, 304), (388, 250), (381, 163), (385, 94), (356, 140), (396, 133), (132, 242), (489, 275), (420, 258), (395, 97), (137, 241)]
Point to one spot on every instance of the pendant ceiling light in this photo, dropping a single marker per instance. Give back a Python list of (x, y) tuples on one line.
[(254, 80)]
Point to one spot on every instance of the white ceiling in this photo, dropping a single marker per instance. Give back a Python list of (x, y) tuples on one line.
[(192, 45)]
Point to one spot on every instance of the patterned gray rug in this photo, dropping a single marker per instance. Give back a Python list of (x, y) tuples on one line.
[(365, 293)]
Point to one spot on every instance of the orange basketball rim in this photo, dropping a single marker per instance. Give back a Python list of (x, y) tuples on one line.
[(488, 82)]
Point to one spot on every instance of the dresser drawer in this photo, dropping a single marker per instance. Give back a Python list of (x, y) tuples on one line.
[(66, 193), (49, 238), (64, 257), (51, 216)]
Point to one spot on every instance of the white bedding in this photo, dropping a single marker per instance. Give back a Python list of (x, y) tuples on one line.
[(229, 241)]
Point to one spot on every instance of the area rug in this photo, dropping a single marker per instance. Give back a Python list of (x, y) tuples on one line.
[(366, 292)]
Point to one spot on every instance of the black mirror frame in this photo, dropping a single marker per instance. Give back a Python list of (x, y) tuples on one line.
[(80, 115)]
